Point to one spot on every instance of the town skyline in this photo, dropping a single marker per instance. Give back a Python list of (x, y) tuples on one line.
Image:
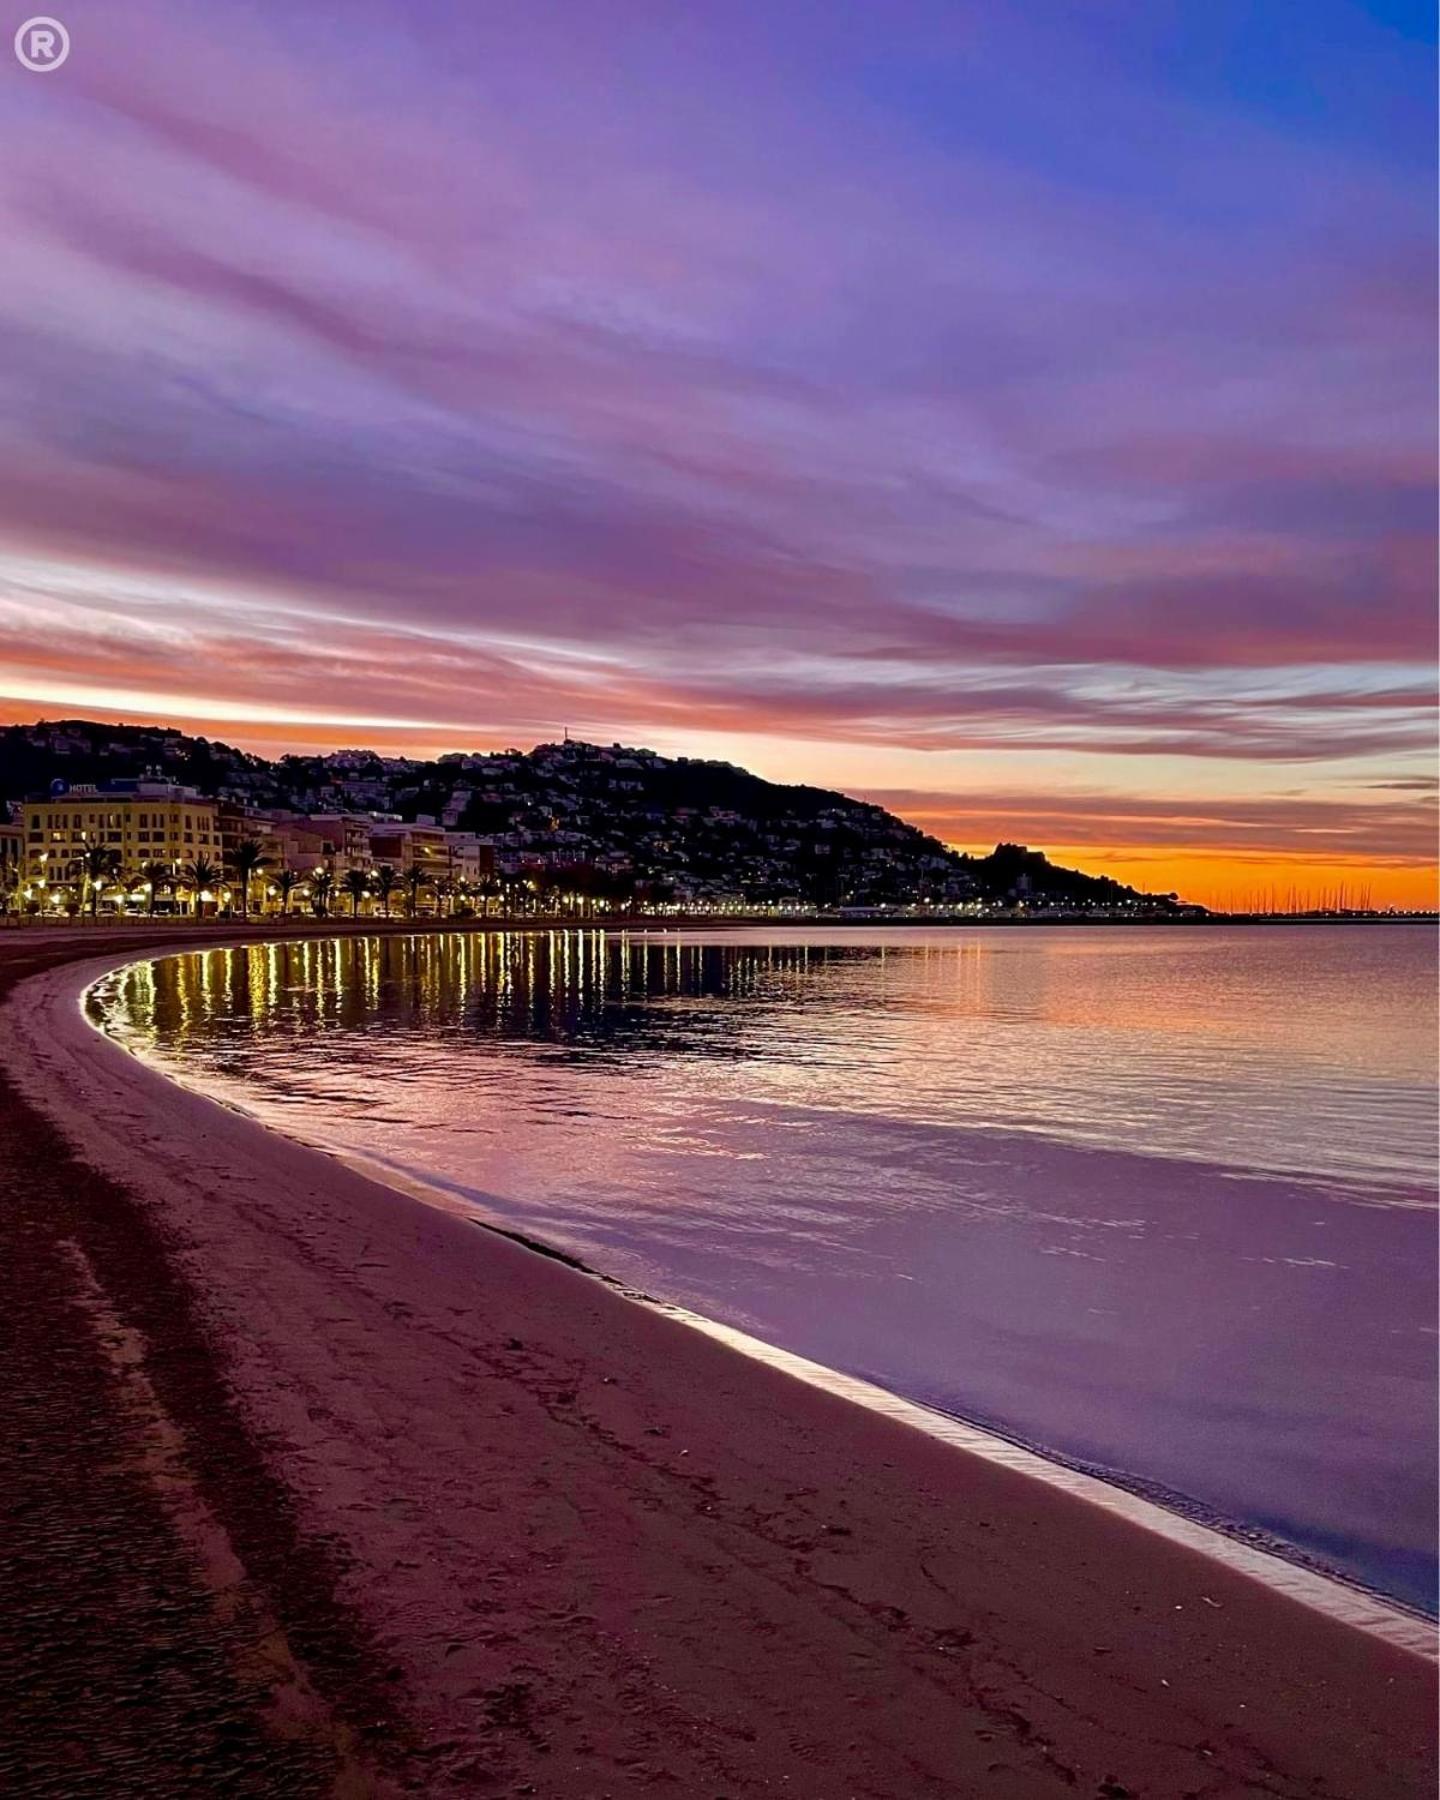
[(1263, 883), (578, 829), (438, 381), (609, 811)]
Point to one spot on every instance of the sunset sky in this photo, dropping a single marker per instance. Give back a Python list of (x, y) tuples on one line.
[(1019, 415)]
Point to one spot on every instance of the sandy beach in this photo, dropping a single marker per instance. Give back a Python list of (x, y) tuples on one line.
[(314, 1488)]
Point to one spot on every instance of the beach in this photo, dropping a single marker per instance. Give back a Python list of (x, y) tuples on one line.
[(320, 1488)]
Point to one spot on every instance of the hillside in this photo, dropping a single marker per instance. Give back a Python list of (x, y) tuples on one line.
[(706, 829)]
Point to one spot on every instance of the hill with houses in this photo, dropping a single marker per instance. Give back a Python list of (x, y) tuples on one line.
[(702, 830)]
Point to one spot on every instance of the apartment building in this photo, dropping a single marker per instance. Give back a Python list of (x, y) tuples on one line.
[(306, 842), (238, 824), (472, 858), (404, 846), (348, 836)]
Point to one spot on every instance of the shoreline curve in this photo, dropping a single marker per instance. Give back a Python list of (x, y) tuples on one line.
[(1080, 1556), (1318, 1589)]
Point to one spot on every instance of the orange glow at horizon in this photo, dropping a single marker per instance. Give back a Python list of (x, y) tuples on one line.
[(1253, 881)]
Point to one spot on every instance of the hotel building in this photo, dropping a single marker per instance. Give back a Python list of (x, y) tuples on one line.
[(143, 821)]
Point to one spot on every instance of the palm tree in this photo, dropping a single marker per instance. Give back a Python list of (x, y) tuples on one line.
[(9, 888), (322, 886), (386, 882), (101, 864), (357, 886), (198, 877), (548, 889), (247, 859), (154, 875), (416, 877), (286, 882)]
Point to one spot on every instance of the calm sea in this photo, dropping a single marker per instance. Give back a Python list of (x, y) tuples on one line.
[(1159, 1202)]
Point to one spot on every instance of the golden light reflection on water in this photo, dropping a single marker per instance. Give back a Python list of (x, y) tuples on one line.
[(1219, 1043), (526, 977)]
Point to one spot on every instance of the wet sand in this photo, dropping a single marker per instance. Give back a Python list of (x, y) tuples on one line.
[(314, 1488)]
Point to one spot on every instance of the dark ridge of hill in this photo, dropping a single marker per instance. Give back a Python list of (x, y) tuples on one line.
[(707, 829)]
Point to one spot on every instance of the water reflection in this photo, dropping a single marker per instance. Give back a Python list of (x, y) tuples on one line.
[(1160, 1202), (1299, 1052)]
